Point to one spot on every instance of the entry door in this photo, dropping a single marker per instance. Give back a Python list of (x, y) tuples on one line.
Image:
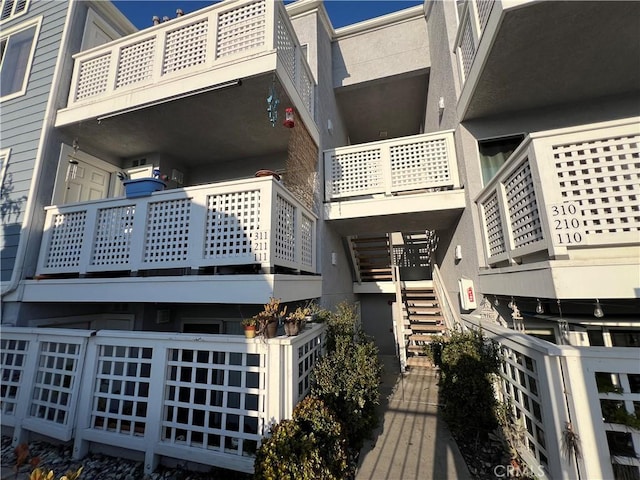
[(86, 182)]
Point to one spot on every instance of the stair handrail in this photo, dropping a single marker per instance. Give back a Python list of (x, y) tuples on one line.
[(451, 319), (355, 260), (398, 320)]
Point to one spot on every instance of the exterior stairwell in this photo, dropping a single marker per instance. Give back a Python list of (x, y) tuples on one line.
[(422, 320), (372, 257)]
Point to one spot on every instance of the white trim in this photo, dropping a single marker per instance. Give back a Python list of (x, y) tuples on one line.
[(14, 15), (8, 33), (5, 153)]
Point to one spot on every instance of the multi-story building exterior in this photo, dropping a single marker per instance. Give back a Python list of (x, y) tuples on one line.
[(453, 164)]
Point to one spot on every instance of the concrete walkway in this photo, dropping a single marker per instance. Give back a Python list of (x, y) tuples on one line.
[(412, 442)]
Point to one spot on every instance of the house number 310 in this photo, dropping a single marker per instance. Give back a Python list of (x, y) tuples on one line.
[(566, 224)]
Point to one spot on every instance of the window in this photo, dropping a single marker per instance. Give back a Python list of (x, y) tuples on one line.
[(17, 47), (494, 153), (4, 160), (13, 8)]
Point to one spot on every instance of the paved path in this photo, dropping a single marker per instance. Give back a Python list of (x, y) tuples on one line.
[(413, 442)]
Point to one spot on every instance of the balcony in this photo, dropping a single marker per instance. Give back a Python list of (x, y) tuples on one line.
[(207, 399), (403, 184), (583, 46), (210, 72), (230, 242), (560, 218)]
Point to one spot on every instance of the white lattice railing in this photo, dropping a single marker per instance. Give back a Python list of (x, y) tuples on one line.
[(417, 162), (546, 386), (473, 21), (244, 222), (232, 31), (206, 398), (562, 190)]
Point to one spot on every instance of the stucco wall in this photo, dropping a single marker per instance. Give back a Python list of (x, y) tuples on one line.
[(377, 321), (379, 53)]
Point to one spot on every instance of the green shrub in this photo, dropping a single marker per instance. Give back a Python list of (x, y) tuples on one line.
[(468, 365), (347, 380), (310, 446)]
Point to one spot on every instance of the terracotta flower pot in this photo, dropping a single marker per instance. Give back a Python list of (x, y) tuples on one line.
[(250, 331)]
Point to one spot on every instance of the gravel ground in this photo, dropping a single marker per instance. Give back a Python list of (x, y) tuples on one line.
[(100, 467)]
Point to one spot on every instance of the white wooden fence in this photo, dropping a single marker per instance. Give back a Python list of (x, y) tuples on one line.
[(564, 190), (387, 167), (201, 398), (253, 221), (549, 386)]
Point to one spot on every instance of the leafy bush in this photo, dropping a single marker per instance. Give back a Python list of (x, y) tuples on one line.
[(347, 379), (310, 446), (468, 364)]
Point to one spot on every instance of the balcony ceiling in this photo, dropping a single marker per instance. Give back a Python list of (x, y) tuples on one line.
[(222, 124), (395, 105), (549, 53)]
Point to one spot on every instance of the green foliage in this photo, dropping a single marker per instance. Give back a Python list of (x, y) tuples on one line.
[(614, 411), (348, 377), (310, 446), (469, 362)]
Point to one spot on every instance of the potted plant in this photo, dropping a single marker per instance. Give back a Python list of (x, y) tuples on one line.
[(267, 319), (296, 321), (249, 325)]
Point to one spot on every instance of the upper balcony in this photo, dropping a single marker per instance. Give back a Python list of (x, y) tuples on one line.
[(196, 86), (521, 54), (404, 184), (230, 242), (560, 218)]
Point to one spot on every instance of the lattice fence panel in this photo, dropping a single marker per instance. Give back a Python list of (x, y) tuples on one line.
[(93, 77), (112, 244), (306, 245), (167, 231), (520, 388), (495, 232), (136, 62), (308, 355), (305, 89), (56, 375), (214, 400), (67, 234), (420, 163), (467, 48), (186, 47), (241, 29), (121, 396), (523, 206), (286, 48), (13, 357), (484, 10), (233, 219), (603, 176), (356, 173), (285, 228)]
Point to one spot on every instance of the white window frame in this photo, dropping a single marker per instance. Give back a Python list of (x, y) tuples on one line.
[(13, 13), (37, 22), (4, 161)]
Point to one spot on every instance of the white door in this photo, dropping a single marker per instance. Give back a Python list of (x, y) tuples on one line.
[(96, 32), (86, 182)]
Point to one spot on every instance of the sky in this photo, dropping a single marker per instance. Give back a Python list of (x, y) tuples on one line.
[(341, 12)]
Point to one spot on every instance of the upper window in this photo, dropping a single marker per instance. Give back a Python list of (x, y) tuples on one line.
[(12, 8), (17, 47)]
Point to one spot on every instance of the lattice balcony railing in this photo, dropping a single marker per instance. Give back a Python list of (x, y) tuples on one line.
[(208, 397), (387, 167), (562, 190), (474, 16), (244, 222), (199, 42)]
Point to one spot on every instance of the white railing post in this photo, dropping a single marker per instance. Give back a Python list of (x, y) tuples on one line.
[(159, 54), (23, 401), (86, 249), (386, 169), (155, 407), (138, 235), (85, 398), (398, 320)]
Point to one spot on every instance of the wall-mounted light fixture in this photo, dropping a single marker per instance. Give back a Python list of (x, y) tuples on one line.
[(597, 311), (441, 104), (539, 307)]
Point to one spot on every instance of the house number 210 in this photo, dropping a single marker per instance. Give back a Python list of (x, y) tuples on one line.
[(566, 224)]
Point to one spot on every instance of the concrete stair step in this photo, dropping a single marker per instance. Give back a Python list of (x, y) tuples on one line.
[(427, 327)]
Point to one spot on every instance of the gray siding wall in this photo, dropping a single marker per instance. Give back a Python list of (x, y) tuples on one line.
[(22, 124)]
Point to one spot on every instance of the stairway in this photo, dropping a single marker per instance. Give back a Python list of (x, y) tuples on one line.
[(372, 256), (423, 320)]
